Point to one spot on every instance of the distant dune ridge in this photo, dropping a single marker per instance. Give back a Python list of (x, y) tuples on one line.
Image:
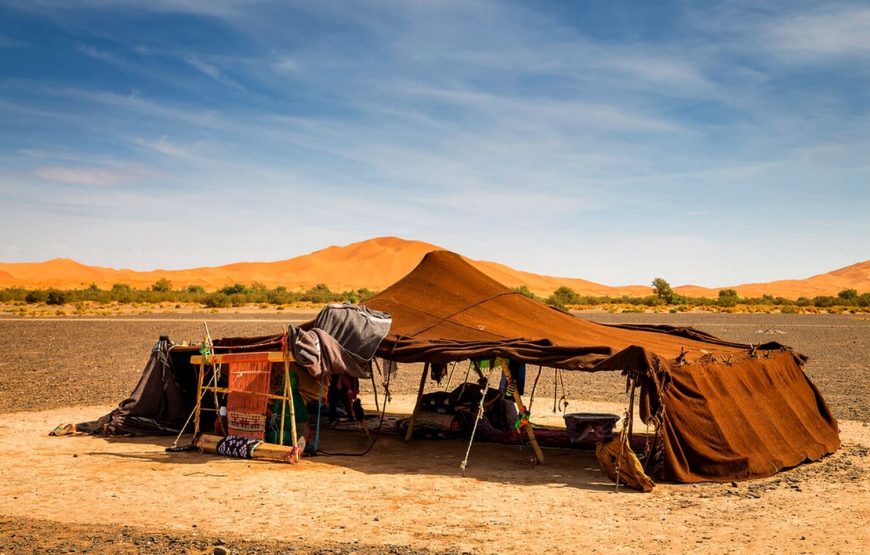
[(377, 263)]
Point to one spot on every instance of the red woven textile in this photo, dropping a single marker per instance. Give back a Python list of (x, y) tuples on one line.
[(247, 400)]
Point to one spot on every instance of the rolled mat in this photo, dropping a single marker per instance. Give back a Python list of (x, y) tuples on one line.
[(208, 443)]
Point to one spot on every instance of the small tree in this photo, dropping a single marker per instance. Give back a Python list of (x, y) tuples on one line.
[(850, 296), (727, 297), (663, 290), (162, 285), (195, 289)]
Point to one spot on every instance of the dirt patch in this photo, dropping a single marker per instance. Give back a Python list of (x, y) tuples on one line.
[(407, 495), (130, 496), (25, 536)]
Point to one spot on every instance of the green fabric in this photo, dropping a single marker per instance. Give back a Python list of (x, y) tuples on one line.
[(298, 408)]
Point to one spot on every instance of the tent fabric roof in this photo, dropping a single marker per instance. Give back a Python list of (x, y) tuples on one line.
[(446, 309), (722, 410)]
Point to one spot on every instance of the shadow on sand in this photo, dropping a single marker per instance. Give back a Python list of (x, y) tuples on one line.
[(496, 463)]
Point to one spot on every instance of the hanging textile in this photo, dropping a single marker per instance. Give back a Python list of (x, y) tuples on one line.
[(247, 400)]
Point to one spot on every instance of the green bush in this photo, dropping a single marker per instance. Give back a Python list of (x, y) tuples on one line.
[(727, 298), (217, 300), (36, 296), (564, 296), (55, 297), (824, 301), (234, 289), (162, 285)]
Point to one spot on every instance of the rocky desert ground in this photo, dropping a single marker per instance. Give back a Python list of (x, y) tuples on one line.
[(92, 495)]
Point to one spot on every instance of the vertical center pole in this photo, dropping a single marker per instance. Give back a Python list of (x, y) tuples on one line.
[(410, 431), (539, 455)]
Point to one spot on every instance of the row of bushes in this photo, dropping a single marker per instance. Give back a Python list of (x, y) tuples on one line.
[(239, 294), (565, 296), (231, 295)]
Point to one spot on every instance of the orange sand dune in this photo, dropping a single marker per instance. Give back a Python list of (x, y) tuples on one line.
[(377, 263)]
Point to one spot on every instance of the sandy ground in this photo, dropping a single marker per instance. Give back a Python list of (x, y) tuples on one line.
[(412, 495), (130, 496)]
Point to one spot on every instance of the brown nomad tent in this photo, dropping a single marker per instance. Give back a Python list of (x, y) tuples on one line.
[(722, 411)]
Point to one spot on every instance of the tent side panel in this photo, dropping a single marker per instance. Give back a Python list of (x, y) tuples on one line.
[(746, 420)]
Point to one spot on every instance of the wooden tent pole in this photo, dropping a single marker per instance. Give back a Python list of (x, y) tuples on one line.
[(283, 389), (417, 405), (288, 393), (199, 397), (522, 409)]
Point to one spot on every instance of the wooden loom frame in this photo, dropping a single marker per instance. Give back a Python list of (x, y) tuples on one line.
[(268, 356)]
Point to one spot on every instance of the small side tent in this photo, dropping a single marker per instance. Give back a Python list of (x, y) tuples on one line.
[(721, 411)]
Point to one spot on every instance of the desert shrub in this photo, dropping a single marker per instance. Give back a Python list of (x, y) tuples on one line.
[(365, 294), (234, 289), (565, 296), (824, 301), (850, 296), (525, 291), (653, 300), (55, 297), (195, 289), (162, 285), (217, 300), (863, 300), (320, 293), (35, 297), (279, 295)]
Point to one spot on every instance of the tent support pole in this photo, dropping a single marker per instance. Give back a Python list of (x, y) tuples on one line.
[(288, 394), (410, 431), (539, 455), (198, 397)]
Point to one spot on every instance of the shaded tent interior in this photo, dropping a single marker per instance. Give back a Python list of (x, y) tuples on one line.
[(721, 410)]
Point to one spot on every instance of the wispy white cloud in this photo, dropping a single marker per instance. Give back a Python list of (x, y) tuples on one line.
[(213, 71), (287, 64), (79, 176), (89, 50), (162, 146), (828, 32)]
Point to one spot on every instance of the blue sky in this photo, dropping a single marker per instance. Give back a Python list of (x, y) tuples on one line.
[(708, 143)]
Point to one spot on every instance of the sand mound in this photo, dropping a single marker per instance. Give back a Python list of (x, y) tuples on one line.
[(376, 264)]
